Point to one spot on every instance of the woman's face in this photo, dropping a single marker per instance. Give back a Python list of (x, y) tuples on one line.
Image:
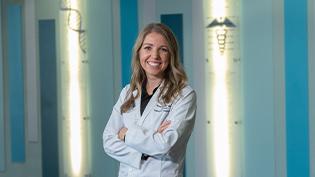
[(154, 55)]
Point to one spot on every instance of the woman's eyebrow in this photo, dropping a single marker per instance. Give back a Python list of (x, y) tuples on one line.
[(147, 43), (150, 44)]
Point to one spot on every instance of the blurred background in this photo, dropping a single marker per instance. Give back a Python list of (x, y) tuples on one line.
[(63, 64)]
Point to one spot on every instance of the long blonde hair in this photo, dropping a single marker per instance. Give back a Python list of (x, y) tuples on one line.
[(174, 75)]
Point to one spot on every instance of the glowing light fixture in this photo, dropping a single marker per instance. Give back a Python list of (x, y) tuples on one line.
[(220, 118), (75, 114), (73, 91), (221, 76)]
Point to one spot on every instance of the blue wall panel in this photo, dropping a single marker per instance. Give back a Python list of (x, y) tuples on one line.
[(129, 32), (296, 75), (48, 90), (175, 22), (16, 83), (2, 154)]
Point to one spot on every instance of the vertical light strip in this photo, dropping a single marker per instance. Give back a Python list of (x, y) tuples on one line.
[(218, 8), (223, 83), (297, 98), (220, 117), (74, 89), (74, 95), (2, 144), (219, 92), (311, 74), (220, 97)]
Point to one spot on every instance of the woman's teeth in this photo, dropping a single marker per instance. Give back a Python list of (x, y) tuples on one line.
[(153, 63)]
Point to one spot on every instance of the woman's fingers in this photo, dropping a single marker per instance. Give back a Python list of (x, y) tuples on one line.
[(122, 133), (164, 125)]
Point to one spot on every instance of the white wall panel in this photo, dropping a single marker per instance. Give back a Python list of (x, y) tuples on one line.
[(311, 55), (198, 53), (279, 91), (31, 71), (147, 12), (259, 96)]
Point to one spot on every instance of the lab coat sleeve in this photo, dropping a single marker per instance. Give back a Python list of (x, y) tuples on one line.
[(182, 118), (113, 146)]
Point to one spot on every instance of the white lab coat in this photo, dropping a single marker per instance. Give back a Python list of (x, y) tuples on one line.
[(166, 149)]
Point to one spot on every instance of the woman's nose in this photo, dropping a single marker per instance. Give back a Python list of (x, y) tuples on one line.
[(155, 54)]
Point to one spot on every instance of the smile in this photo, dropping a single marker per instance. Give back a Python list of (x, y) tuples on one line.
[(151, 63)]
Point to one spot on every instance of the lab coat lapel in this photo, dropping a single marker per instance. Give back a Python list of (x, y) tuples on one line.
[(150, 105), (137, 104)]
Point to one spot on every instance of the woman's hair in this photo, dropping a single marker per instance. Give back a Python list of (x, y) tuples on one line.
[(174, 75)]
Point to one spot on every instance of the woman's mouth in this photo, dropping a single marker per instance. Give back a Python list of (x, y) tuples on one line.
[(154, 64)]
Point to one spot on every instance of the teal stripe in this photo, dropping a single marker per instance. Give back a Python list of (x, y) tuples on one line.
[(129, 32), (16, 83), (175, 22), (2, 157), (296, 75), (48, 97)]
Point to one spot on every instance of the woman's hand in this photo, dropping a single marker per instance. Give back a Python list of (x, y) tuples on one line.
[(122, 132), (165, 124)]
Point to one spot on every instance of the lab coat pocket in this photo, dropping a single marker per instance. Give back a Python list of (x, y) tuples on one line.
[(157, 116), (162, 108)]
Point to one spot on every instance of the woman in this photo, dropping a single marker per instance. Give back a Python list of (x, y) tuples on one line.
[(154, 116)]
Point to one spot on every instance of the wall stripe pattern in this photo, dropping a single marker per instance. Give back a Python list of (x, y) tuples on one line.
[(16, 83), (129, 32), (2, 147), (296, 76), (175, 22), (48, 90)]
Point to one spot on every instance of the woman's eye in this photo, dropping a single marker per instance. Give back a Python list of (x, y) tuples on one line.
[(147, 48), (164, 50)]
